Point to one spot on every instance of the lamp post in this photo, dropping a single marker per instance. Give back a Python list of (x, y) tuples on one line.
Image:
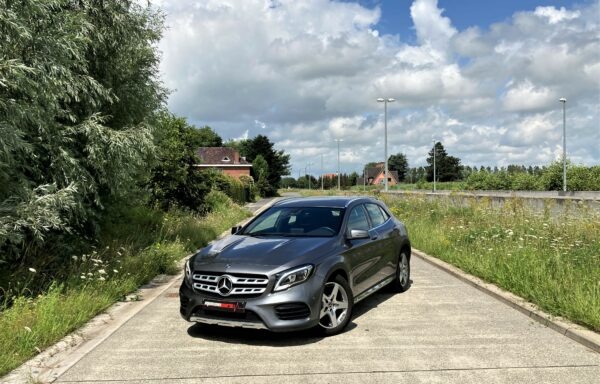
[(338, 145), (434, 151), (321, 171), (307, 175), (385, 102), (564, 103)]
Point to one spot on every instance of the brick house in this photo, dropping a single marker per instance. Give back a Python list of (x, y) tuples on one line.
[(376, 176), (224, 159)]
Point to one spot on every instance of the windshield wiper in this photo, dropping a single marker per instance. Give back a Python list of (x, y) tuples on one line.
[(257, 234)]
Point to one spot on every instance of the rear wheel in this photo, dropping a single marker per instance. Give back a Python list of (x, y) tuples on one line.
[(336, 306), (402, 281)]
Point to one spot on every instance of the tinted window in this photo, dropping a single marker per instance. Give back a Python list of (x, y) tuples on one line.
[(297, 221), (358, 219), (384, 213), (375, 214)]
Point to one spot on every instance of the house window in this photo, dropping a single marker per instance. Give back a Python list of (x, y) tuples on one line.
[(226, 159)]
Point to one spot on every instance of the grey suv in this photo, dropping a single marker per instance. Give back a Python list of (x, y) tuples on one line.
[(302, 263)]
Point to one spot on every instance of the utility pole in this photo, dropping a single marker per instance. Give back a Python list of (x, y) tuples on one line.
[(564, 103), (338, 159), (434, 151), (385, 102), (321, 172)]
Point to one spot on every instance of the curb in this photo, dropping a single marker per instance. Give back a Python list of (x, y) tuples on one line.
[(573, 331), (50, 364)]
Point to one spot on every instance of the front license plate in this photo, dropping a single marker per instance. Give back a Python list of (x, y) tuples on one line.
[(237, 307)]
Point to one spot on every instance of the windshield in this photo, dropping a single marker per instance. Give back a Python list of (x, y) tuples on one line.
[(297, 222)]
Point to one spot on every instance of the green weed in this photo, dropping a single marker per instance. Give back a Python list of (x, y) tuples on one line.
[(134, 248)]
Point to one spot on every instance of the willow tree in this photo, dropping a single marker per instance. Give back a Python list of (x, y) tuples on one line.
[(78, 84)]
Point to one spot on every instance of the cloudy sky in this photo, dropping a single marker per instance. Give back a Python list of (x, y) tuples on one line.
[(483, 77)]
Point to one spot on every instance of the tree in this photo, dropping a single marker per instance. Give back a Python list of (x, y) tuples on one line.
[(78, 86), (447, 167), (174, 180), (206, 137), (398, 163), (278, 161)]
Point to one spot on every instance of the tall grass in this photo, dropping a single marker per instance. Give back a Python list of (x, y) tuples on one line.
[(552, 261), (134, 246)]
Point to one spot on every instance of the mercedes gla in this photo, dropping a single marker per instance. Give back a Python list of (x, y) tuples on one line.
[(302, 263)]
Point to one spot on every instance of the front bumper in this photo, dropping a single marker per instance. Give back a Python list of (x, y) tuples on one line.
[(263, 312)]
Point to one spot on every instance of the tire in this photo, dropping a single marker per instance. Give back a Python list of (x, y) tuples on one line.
[(402, 281), (333, 316)]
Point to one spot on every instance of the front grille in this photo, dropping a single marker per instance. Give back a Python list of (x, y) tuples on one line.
[(292, 311), (236, 285)]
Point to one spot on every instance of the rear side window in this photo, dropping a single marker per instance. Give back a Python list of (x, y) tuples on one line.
[(377, 217), (358, 219)]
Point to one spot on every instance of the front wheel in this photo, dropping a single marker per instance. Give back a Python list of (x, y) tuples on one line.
[(402, 281), (336, 306)]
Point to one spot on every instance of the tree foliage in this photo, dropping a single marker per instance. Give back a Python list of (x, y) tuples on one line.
[(175, 181), (278, 161), (447, 168), (78, 81), (398, 163)]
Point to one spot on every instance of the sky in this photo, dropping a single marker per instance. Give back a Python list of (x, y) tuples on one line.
[(482, 77)]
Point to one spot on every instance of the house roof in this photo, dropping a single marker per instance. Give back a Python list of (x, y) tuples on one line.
[(220, 156), (373, 172)]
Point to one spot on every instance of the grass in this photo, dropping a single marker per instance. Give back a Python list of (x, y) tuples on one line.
[(551, 261), (134, 246)]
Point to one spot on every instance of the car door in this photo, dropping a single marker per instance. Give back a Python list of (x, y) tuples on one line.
[(386, 233), (360, 253)]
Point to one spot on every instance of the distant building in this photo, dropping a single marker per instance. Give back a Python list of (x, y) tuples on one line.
[(376, 176), (223, 159)]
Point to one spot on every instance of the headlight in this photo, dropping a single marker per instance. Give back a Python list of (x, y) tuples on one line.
[(188, 272), (293, 277)]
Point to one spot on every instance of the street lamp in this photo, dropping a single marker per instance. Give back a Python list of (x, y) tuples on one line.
[(385, 102), (321, 172), (338, 145), (307, 175), (564, 103), (434, 151)]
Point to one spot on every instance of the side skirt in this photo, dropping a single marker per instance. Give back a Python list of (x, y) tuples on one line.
[(374, 289)]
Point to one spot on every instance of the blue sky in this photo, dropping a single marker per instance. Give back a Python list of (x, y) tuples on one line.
[(308, 72), (395, 14)]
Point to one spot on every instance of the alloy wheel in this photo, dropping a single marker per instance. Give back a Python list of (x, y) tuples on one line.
[(334, 305), (403, 270)]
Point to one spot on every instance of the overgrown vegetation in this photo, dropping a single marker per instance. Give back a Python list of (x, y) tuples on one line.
[(135, 245), (553, 262)]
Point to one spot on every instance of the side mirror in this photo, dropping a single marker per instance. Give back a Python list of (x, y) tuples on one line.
[(236, 229), (358, 234)]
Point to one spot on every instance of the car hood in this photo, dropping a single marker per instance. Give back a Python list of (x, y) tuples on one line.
[(263, 253)]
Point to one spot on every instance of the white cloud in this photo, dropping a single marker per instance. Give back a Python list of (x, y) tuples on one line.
[(556, 15), (527, 97), (307, 72)]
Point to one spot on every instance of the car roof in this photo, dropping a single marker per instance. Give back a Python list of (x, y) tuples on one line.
[(322, 201)]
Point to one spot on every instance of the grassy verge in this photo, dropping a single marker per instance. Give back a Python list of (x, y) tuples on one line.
[(553, 262), (133, 248)]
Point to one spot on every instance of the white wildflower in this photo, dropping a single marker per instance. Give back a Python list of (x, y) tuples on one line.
[(27, 329), (102, 271), (32, 270)]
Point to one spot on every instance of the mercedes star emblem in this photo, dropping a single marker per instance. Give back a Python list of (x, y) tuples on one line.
[(224, 285)]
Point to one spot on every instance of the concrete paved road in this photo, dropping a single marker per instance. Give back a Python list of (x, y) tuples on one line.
[(442, 330)]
